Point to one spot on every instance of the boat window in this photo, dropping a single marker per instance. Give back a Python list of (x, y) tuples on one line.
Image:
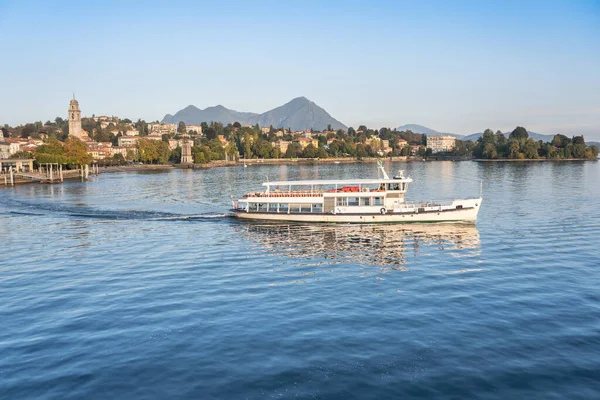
[(273, 207), (283, 207), (393, 186), (294, 208), (317, 208), (377, 201), (365, 201), (342, 201), (252, 207), (352, 201), (262, 207), (404, 186)]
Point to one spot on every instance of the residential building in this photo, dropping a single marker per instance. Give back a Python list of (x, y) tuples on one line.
[(265, 129), (128, 140), (132, 132), (224, 142), (162, 129), (283, 146), (440, 143), (197, 129), (304, 142), (4, 150)]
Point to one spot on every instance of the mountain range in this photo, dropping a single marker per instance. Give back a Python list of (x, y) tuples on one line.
[(298, 114)]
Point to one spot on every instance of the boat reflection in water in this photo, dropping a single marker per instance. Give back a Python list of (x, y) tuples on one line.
[(384, 245)]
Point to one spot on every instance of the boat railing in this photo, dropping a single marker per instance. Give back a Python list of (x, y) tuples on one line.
[(294, 193)]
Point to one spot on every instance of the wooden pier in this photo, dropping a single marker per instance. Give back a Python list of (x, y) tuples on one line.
[(46, 173)]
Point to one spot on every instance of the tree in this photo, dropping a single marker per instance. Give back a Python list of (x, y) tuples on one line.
[(530, 149), (328, 127), (181, 127), (292, 151), (310, 151), (237, 125), (513, 148), (210, 133), (22, 155), (489, 151), (75, 152), (519, 133)]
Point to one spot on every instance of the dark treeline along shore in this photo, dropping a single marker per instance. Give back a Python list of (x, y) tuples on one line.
[(234, 142)]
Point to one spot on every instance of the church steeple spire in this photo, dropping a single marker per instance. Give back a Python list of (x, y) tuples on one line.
[(74, 118)]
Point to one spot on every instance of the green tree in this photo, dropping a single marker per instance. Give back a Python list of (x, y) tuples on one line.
[(310, 151), (210, 133), (75, 152), (530, 149), (489, 151), (181, 127), (519, 133)]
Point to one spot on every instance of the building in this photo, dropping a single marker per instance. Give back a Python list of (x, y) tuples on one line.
[(283, 146), (74, 119), (132, 132), (186, 152), (224, 142), (440, 143), (304, 142), (162, 129), (197, 129), (265, 129), (17, 165), (4, 150), (127, 140)]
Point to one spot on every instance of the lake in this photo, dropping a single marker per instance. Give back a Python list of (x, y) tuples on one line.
[(139, 285)]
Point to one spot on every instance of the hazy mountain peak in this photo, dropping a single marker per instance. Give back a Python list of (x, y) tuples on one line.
[(297, 114)]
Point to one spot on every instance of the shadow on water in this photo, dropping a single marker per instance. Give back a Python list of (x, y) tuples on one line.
[(386, 245)]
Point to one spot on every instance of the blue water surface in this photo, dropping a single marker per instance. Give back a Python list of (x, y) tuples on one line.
[(139, 286)]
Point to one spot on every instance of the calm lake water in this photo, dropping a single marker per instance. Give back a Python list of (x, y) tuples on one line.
[(137, 285)]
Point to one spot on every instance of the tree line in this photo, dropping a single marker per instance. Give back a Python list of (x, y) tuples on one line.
[(520, 146)]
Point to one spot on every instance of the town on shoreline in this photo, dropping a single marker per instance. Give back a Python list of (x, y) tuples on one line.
[(111, 141)]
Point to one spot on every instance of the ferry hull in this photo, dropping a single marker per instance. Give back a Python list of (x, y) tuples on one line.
[(463, 215)]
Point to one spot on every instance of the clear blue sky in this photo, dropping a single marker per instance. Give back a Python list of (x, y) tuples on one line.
[(453, 66)]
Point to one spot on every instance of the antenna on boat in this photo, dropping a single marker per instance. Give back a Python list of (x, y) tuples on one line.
[(380, 165)]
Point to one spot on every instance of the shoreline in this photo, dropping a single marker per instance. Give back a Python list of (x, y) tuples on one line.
[(531, 159)]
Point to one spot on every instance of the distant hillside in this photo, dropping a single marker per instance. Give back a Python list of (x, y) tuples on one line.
[(425, 130), (597, 144), (300, 113)]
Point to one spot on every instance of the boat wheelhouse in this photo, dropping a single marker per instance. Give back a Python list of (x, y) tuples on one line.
[(350, 201)]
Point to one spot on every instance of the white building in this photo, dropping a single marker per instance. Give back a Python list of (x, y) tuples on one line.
[(127, 140), (440, 143), (162, 129), (194, 128)]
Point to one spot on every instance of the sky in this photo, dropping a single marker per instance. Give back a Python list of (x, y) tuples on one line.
[(453, 66)]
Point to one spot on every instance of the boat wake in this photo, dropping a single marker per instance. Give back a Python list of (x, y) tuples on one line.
[(17, 208)]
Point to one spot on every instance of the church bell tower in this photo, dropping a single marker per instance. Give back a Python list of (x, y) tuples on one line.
[(74, 119)]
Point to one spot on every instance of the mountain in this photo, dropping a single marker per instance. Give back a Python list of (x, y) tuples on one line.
[(425, 130), (194, 115), (300, 113)]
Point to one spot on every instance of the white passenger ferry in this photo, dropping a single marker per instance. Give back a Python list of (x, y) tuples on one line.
[(350, 201)]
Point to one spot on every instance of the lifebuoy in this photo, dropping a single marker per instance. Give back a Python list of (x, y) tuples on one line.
[(382, 211)]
